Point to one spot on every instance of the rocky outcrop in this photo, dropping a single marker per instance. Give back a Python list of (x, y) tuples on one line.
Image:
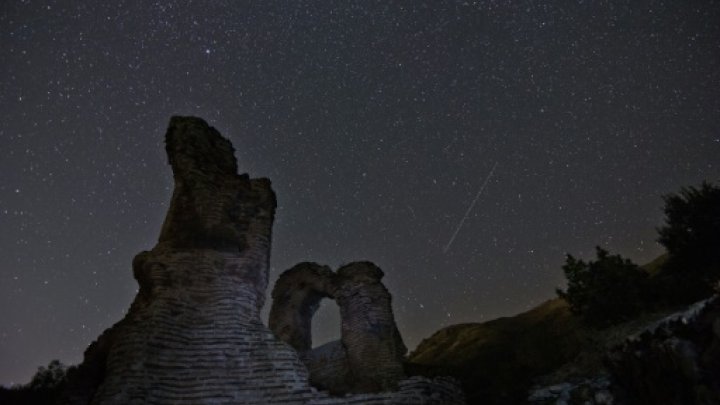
[(588, 391), (193, 334), (369, 356), (675, 361)]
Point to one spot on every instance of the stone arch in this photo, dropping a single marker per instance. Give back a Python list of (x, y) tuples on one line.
[(369, 355), (296, 296)]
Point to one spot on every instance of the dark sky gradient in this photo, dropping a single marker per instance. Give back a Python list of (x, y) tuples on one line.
[(377, 122)]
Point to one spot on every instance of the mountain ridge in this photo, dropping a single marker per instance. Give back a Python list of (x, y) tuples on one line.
[(499, 360)]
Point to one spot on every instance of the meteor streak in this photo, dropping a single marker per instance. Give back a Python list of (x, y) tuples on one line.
[(472, 204)]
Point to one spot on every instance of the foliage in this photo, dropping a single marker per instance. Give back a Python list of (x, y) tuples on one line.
[(691, 235), (50, 377), (42, 389), (605, 291)]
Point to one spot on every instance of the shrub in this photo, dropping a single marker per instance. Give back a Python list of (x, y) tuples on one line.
[(605, 291), (691, 235), (48, 378)]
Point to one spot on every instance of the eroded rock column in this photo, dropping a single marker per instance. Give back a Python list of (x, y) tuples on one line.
[(193, 335), (374, 347)]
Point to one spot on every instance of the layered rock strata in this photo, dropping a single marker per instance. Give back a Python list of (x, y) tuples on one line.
[(193, 334), (369, 355), (374, 347), (296, 297)]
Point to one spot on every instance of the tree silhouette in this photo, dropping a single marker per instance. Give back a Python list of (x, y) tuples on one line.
[(691, 236), (43, 389), (604, 291), (50, 377)]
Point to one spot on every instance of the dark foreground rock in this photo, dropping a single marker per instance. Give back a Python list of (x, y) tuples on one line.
[(193, 334), (588, 391), (675, 361)]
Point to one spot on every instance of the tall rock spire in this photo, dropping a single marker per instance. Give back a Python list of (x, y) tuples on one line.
[(193, 333)]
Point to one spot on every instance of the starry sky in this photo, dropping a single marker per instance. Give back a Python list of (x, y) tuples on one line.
[(379, 123)]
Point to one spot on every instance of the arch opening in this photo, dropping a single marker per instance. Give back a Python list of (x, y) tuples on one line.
[(325, 324)]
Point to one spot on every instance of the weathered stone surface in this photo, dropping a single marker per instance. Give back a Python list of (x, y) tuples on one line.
[(374, 347), (676, 361), (369, 356), (328, 367), (193, 334), (296, 296)]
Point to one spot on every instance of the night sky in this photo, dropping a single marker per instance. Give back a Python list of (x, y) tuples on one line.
[(378, 122)]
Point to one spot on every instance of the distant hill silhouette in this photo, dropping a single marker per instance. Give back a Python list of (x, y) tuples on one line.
[(498, 361)]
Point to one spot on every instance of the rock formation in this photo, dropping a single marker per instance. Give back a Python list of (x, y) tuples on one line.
[(296, 296), (586, 391), (373, 344), (676, 361), (369, 356), (193, 334)]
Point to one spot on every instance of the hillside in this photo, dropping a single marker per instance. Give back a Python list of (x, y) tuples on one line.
[(498, 361)]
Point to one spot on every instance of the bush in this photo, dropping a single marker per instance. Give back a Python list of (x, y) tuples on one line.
[(605, 291), (43, 389), (48, 378), (691, 236)]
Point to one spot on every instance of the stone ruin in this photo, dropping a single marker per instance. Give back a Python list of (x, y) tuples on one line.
[(193, 334)]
